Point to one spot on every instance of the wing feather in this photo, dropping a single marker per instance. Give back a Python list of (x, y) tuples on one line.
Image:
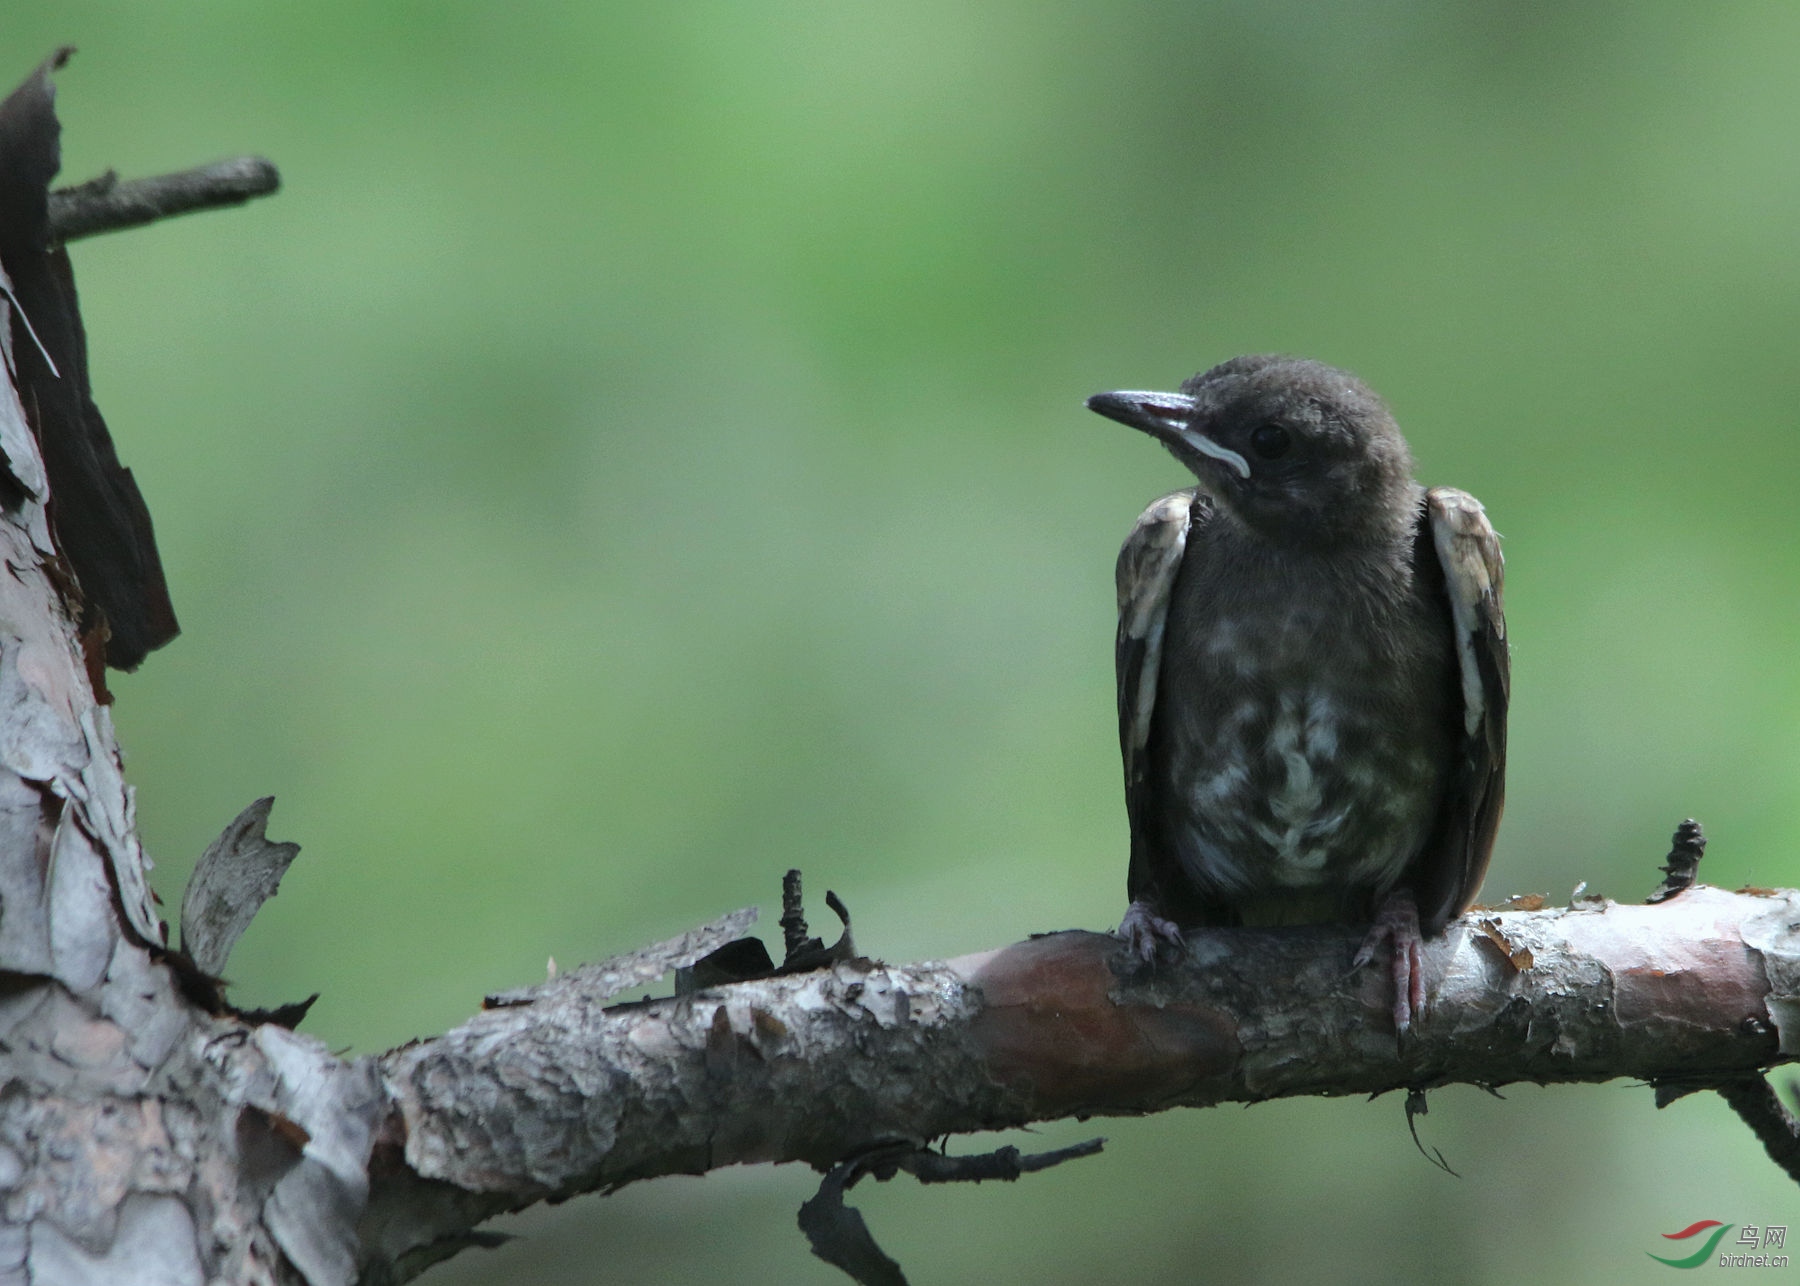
[(1468, 551), (1149, 562)]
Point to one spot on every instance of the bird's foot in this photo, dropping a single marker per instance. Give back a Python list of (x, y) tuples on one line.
[(1147, 934), (1397, 923)]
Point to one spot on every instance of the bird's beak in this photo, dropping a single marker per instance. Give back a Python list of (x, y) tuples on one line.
[(1167, 417)]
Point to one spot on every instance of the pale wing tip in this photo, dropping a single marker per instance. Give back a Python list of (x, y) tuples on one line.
[(1469, 552), (1172, 508), (1149, 554)]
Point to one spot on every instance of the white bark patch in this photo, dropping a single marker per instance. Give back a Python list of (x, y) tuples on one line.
[(154, 1245)]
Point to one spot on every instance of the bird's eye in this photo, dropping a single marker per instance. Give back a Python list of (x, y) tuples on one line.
[(1270, 440)]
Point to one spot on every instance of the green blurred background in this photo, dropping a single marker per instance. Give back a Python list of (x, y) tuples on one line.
[(641, 449)]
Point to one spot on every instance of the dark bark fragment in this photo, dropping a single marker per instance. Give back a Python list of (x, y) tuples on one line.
[(101, 523)]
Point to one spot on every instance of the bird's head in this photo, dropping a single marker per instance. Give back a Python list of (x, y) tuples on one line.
[(1296, 449)]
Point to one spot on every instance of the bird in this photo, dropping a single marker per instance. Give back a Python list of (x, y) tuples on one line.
[(1313, 672)]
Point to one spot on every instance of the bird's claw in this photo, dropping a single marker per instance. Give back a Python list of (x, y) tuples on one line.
[(1148, 935), (1397, 924)]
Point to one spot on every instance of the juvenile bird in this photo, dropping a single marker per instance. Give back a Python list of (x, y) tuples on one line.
[(1312, 669)]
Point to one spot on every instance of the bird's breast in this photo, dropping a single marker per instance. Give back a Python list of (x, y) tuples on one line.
[(1300, 744)]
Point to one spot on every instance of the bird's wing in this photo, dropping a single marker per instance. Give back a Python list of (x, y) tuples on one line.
[(1148, 563), (1469, 553)]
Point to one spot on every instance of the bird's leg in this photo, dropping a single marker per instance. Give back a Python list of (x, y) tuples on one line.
[(1148, 934), (1397, 923)]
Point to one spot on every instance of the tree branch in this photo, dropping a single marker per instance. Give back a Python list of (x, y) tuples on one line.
[(565, 1094), (109, 204)]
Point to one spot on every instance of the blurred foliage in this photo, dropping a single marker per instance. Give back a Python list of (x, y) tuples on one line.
[(641, 450)]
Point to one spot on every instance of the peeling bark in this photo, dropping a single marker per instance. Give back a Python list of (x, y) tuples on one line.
[(565, 1094), (568, 1095), (142, 1138)]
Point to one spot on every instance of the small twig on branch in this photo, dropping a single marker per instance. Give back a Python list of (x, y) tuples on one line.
[(108, 204), (1754, 1100), (1682, 867), (1005, 1164), (836, 1232), (804, 952), (793, 915)]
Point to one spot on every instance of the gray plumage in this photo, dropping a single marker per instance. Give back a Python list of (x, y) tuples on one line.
[(1311, 661)]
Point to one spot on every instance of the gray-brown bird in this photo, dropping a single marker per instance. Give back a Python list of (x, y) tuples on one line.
[(1312, 668)]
